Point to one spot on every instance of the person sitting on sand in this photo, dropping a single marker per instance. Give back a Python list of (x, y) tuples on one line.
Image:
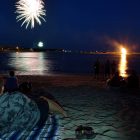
[(11, 82), (115, 81), (25, 87), (21, 114)]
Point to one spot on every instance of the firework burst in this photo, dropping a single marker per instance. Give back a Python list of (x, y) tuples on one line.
[(30, 11)]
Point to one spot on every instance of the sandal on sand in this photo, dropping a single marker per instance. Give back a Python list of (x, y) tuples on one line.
[(89, 132), (79, 131), (84, 132)]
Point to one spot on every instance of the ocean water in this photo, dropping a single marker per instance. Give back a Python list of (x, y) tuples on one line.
[(47, 63)]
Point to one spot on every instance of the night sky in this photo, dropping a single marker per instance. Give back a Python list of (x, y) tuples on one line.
[(75, 24)]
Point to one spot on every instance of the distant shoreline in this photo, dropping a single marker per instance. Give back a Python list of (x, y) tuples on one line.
[(2, 50)]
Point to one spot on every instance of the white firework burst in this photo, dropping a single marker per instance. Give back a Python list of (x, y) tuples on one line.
[(30, 11)]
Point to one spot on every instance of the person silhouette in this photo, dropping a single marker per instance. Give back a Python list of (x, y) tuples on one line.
[(96, 68), (113, 67), (11, 82), (132, 80), (107, 68)]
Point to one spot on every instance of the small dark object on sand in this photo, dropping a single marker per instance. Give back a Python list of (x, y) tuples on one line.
[(79, 131), (89, 132)]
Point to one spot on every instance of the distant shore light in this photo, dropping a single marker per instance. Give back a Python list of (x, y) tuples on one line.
[(123, 62), (123, 50)]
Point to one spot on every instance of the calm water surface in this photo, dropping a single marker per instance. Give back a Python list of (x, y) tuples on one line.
[(42, 63)]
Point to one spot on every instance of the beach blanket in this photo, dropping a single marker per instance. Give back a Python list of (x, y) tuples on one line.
[(21, 119)]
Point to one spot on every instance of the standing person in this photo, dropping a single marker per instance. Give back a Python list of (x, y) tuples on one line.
[(107, 69), (96, 68), (11, 82), (102, 69), (113, 67)]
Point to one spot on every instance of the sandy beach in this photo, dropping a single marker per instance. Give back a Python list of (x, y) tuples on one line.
[(88, 102)]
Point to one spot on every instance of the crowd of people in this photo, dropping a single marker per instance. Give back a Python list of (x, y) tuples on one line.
[(109, 70), (130, 82), (105, 69)]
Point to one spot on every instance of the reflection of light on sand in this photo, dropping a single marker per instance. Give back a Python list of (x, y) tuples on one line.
[(123, 63), (30, 62)]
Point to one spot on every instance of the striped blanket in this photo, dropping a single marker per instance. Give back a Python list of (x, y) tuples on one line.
[(47, 132), (21, 119)]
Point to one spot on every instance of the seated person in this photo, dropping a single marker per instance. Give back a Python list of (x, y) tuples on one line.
[(11, 82), (133, 80), (26, 88), (116, 80)]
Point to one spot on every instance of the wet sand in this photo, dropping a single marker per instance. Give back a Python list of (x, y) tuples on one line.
[(64, 80)]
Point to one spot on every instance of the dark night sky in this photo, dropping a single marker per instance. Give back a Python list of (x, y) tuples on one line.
[(75, 24)]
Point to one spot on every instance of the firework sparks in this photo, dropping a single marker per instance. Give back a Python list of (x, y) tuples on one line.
[(30, 11)]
